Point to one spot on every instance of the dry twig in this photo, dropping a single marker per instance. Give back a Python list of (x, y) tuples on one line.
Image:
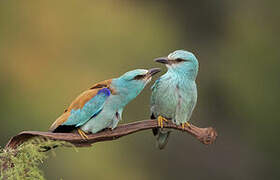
[(205, 135)]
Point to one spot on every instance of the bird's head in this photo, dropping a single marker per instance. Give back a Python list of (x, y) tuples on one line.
[(133, 82), (181, 61), (139, 75)]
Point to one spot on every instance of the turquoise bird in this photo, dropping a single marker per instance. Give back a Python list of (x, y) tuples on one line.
[(174, 94), (101, 106)]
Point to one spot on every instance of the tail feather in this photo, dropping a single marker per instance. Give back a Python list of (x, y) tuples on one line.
[(155, 131), (162, 135), (64, 129), (162, 138), (57, 125)]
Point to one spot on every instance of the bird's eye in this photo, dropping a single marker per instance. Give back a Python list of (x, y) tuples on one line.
[(138, 77), (179, 60)]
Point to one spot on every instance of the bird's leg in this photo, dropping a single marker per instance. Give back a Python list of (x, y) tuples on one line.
[(82, 134), (186, 123), (160, 121)]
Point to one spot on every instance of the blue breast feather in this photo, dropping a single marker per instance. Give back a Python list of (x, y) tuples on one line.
[(171, 101), (91, 109)]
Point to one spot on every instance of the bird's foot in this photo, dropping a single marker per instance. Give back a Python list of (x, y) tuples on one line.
[(82, 134), (160, 121), (186, 124)]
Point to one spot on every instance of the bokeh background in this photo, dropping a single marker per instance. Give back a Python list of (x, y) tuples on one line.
[(50, 51)]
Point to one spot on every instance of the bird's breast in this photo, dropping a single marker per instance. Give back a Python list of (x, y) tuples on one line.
[(166, 96)]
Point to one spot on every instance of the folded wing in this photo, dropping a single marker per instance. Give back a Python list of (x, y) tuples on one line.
[(87, 105)]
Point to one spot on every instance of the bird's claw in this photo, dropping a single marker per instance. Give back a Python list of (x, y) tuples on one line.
[(83, 134), (160, 121), (187, 124)]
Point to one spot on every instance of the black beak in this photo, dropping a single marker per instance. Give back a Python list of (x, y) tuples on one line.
[(163, 60), (153, 71)]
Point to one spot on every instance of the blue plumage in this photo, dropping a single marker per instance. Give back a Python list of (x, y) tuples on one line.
[(92, 108), (127, 87), (101, 106), (174, 94), (106, 91)]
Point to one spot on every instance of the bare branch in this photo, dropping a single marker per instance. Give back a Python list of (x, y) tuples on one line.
[(204, 135)]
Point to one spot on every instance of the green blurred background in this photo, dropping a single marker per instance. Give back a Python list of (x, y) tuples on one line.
[(50, 51)]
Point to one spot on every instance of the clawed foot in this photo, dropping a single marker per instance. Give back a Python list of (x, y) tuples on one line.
[(82, 134), (160, 121), (186, 124)]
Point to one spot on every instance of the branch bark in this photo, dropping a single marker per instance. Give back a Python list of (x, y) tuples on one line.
[(205, 135)]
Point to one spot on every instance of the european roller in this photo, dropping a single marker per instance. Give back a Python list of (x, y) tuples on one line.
[(174, 94), (101, 106)]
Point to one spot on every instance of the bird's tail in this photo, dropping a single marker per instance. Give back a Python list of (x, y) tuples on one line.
[(57, 125), (162, 137)]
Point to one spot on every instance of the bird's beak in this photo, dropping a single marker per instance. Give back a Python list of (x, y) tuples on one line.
[(163, 60), (152, 72)]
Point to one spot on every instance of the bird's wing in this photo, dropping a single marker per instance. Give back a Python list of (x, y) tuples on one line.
[(154, 89), (85, 106), (185, 106), (180, 115)]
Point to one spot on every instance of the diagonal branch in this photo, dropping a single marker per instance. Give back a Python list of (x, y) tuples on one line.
[(204, 135)]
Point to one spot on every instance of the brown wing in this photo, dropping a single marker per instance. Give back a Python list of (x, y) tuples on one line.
[(103, 84), (80, 101)]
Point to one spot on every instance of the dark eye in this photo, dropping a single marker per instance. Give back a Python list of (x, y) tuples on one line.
[(138, 77), (179, 60)]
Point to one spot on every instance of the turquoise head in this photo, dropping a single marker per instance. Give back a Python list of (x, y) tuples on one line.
[(182, 62), (130, 84)]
